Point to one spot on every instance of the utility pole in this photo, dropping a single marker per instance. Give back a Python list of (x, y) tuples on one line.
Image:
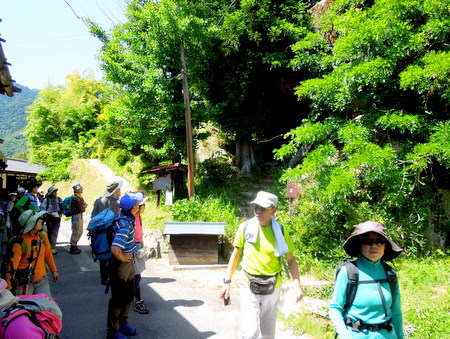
[(187, 109)]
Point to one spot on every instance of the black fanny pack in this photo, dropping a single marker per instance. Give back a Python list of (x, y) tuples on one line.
[(260, 284), (24, 277), (358, 325)]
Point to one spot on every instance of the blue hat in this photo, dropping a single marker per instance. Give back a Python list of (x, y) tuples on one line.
[(128, 201)]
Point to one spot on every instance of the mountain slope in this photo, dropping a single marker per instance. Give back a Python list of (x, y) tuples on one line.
[(13, 118)]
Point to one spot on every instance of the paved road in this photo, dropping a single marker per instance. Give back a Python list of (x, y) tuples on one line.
[(180, 308)]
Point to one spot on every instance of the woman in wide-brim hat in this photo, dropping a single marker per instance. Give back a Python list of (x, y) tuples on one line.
[(376, 310), (352, 245)]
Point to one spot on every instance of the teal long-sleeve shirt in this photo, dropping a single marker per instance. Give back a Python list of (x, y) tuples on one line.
[(367, 305)]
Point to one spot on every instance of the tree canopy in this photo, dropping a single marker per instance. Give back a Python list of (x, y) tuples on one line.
[(360, 93), (378, 123)]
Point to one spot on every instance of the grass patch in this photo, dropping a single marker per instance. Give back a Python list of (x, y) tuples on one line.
[(425, 291), (312, 325)]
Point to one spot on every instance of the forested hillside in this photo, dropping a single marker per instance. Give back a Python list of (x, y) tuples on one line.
[(350, 97), (14, 119)]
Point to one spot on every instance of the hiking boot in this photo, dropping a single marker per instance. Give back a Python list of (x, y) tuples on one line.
[(116, 335), (127, 329), (141, 308), (54, 251), (74, 250)]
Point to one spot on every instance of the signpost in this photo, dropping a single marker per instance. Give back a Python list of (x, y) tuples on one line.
[(292, 193)]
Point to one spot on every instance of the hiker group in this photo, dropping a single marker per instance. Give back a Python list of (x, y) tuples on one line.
[(30, 223), (365, 303)]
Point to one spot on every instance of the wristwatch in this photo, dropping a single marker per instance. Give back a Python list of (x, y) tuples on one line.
[(225, 281)]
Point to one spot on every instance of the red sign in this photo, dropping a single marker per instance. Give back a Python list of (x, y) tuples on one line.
[(292, 190)]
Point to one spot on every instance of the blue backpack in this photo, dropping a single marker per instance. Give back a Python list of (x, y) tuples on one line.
[(101, 234), (67, 208)]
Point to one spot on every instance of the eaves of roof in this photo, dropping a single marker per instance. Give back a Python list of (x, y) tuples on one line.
[(6, 82)]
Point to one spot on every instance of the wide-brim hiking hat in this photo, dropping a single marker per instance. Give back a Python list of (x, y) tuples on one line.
[(50, 190), (352, 245), (265, 199), (28, 220), (77, 186), (6, 297), (112, 186), (128, 201)]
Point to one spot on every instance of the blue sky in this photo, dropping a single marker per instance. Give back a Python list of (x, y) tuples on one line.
[(45, 41)]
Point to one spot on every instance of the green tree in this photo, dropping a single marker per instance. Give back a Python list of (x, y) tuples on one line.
[(59, 119), (378, 127), (142, 56), (237, 57), (253, 84)]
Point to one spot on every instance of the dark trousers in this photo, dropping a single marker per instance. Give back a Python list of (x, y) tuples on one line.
[(137, 287), (122, 293), (52, 229), (104, 272)]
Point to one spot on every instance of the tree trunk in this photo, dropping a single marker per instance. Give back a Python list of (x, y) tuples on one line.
[(245, 158)]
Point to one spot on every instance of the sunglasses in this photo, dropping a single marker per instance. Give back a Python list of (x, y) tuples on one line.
[(370, 242), (259, 208)]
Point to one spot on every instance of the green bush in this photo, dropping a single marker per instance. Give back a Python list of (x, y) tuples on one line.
[(209, 209), (216, 172)]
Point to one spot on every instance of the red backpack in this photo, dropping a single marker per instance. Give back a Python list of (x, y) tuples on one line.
[(33, 316)]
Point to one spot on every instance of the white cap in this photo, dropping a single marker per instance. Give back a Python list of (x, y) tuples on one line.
[(265, 199)]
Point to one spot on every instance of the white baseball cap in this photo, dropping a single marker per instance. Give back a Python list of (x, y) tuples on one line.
[(265, 199)]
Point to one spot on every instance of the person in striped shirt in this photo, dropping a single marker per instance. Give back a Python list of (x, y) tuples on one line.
[(121, 269)]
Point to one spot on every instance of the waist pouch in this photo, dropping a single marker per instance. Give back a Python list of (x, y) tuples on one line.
[(24, 277), (358, 325), (263, 285)]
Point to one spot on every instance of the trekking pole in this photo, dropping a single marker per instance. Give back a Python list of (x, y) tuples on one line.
[(30, 262)]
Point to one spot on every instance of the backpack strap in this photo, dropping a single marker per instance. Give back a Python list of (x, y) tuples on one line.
[(391, 277), (352, 285), (353, 281)]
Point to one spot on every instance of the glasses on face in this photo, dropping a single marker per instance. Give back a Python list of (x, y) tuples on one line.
[(259, 208), (371, 242)]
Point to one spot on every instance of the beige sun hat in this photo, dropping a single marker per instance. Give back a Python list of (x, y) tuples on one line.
[(50, 190), (28, 219), (112, 186), (353, 244), (265, 199)]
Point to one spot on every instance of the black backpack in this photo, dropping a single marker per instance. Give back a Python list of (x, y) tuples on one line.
[(353, 280)]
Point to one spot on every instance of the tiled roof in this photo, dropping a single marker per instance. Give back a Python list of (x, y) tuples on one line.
[(166, 168), (16, 165)]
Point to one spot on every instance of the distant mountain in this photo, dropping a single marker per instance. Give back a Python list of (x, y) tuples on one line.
[(13, 120)]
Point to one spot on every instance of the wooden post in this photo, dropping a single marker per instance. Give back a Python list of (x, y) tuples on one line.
[(187, 108), (291, 193), (158, 197)]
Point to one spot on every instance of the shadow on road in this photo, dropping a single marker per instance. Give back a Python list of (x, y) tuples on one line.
[(84, 303)]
